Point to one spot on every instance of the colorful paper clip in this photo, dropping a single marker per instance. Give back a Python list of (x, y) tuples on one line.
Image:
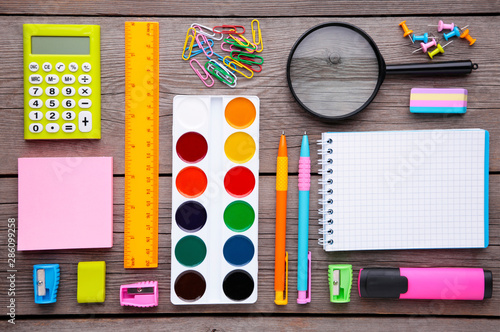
[(247, 58), (254, 32), (253, 67), (219, 57), (190, 35), (142, 294), (225, 49), (221, 72), (232, 63), (250, 48), (232, 29), (240, 42), (46, 282), (195, 53), (204, 78), (204, 30), (204, 41)]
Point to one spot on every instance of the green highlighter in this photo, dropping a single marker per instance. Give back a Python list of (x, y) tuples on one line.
[(340, 282)]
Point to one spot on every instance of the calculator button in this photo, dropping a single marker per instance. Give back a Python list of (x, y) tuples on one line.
[(52, 115), (52, 103), (35, 103), (73, 67), (84, 103), (51, 91), (68, 127), (85, 121), (68, 91), (52, 79), (60, 67), (47, 66), (36, 127), (35, 115), (68, 103), (34, 67), (84, 91), (52, 127), (68, 79), (86, 67), (35, 79), (68, 115), (84, 79), (35, 91)]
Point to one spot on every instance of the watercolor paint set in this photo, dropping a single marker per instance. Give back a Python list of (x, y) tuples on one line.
[(215, 199)]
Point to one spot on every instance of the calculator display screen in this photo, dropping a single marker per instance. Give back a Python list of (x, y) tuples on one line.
[(60, 45)]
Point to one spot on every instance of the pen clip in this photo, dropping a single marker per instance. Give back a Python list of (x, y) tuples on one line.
[(305, 296), (279, 300), (308, 297)]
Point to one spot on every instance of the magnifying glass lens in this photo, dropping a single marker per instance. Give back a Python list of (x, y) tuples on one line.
[(333, 71)]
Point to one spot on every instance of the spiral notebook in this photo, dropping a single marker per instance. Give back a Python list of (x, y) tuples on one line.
[(425, 189)]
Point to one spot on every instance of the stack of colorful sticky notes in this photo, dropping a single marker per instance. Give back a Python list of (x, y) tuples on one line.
[(438, 101)]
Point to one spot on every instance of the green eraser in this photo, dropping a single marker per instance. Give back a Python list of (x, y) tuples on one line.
[(340, 282), (91, 282)]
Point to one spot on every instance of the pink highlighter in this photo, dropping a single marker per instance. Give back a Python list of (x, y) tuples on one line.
[(426, 283)]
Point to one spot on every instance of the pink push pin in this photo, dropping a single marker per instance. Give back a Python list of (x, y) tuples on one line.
[(425, 47), (443, 26)]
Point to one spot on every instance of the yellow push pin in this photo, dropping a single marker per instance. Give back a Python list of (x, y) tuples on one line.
[(437, 50), (469, 38), (407, 32)]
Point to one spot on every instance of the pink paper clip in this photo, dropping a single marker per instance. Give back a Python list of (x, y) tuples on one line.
[(226, 49), (207, 75), (200, 43), (142, 294)]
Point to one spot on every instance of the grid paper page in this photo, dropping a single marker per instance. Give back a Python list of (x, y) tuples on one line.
[(406, 190)]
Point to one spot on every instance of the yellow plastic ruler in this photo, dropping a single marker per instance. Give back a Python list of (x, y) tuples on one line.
[(141, 144)]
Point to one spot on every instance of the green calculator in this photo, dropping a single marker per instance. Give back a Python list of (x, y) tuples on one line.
[(62, 81)]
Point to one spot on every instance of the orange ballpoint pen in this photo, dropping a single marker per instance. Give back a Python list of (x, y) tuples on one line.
[(280, 255)]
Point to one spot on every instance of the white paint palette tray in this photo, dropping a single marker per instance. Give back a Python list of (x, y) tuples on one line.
[(215, 199)]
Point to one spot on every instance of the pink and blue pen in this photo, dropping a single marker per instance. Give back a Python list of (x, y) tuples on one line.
[(304, 256)]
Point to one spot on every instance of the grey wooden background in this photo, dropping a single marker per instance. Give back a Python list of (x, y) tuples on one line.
[(282, 23)]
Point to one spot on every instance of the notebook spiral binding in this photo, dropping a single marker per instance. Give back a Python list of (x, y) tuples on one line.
[(326, 202)]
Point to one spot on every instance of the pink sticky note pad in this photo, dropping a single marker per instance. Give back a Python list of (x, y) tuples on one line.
[(65, 203)]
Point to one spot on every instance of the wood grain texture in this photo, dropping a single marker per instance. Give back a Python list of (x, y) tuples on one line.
[(117, 275), (282, 23), (254, 322), (243, 8), (279, 111)]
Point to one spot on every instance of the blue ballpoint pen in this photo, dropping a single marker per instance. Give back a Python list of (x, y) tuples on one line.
[(304, 256)]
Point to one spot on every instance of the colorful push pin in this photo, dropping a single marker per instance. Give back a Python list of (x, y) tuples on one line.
[(407, 32), (443, 26), (437, 50), (454, 33), (469, 38), (423, 38), (426, 46)]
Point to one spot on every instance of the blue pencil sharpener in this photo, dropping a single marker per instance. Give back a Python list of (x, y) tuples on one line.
[(46, 282)]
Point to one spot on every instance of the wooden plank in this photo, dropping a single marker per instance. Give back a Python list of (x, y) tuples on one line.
[(239, 8), (266, 323), (279, 111), (116, 275)]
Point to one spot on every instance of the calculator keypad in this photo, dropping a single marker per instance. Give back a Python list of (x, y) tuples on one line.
[(60, 102)]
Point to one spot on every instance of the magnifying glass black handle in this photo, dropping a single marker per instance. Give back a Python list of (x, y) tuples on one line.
[(448, 67)]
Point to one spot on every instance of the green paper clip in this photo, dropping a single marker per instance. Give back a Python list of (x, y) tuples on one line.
[(247, 58), (340, 282)]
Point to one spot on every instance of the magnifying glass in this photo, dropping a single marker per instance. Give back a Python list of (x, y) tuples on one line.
[(335, 70)]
